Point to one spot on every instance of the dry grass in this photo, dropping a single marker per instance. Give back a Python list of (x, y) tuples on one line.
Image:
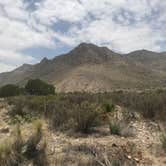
[(163, 141), (16, 150), (96, 155)]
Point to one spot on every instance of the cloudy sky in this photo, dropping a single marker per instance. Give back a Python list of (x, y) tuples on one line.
[(33, 29)]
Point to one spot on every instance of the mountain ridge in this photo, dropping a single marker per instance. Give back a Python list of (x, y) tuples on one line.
[(92, 68)]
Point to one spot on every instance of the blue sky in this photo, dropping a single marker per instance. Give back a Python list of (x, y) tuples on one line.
[(33, 29)]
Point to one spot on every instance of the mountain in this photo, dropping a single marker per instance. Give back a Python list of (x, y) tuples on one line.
[(92, 68)]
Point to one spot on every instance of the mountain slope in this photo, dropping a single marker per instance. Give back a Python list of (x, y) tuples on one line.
[(92, 68)]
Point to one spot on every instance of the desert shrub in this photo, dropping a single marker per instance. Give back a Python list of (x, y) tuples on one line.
[(10, 90), (151, 104), (85, 116), (18, 106), (39, 87), (73, 112), (148, 106), (58, 114), (35, 105), (28, 108), (20, 112), (163, 141)]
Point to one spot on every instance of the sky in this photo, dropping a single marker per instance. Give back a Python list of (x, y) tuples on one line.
[(33, 29)]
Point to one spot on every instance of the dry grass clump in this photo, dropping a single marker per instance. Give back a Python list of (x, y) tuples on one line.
[(163, 141), (17, 150), (114, 128), (10, 150), (7, 157)]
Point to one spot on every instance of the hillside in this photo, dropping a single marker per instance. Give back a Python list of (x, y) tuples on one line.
[(92, 68)]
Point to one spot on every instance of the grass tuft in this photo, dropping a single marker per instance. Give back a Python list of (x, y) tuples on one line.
[(163, 141)]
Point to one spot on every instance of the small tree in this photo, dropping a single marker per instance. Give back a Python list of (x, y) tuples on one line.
[(10, 90), (39, 87)]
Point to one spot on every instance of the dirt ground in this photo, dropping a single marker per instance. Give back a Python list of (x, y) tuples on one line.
[(69, 149)]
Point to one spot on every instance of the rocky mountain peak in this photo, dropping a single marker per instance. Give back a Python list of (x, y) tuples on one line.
[(95, 68), (44, 60)]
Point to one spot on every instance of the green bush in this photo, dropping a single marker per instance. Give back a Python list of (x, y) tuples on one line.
[(10, 90), (39, 87)]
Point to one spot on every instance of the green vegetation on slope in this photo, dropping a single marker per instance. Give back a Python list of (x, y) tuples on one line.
[(10, 90), (33, 87), (39, 87)]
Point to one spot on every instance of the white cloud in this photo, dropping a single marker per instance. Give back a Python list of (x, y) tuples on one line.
[(122, 25), (12, 59), (17, 35), (50, 11), (131, 33), (6, 67), (14, 9), (17, 32), (119, 38), (15, 58)]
